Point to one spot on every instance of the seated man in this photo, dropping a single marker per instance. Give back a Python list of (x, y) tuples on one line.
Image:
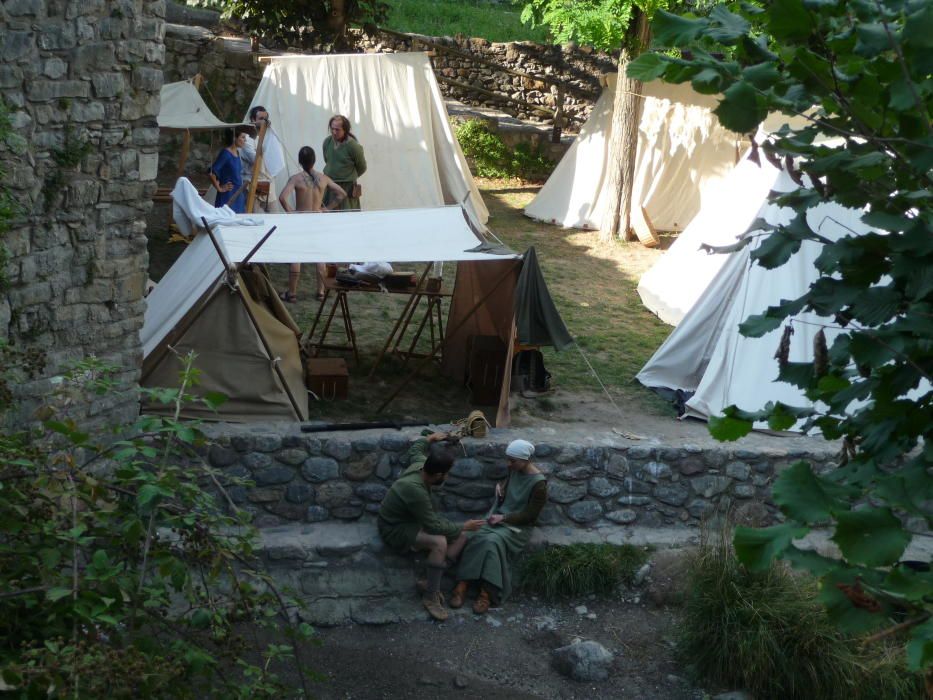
[(407, 519)]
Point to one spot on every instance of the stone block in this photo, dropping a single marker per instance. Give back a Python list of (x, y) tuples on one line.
[(602, 488), (361, 469), (17, 46), (302, 442), (691, 466), (382, 611), (148, 166), (320, 469), (56, 35), (347, 512), (384, 468), (634, 486), (394, 442), (618, 466), (673, 494), (597, 457), (471, 489), (10, 76), (640, 452), (738, 470), (269, 494), (47, 90), (653, 472), (752, 514), (23, 8), (147, 79), (365, 445), (471, 505), (87, 58), (256, 460), (267, 442), (700, 508), (634, 500), (623, 516), (710, 485), (496, 471), (333, 494), (574, 473), (744, 491), (220, 456), (569, 454), (372, 492), (585, 512), (276, 474), (299, 492), (327, 612), (287, 511), (585, 661), (292, 456), (467, 468), (338, 449), (316, 514), (563, 492), (241, 443)]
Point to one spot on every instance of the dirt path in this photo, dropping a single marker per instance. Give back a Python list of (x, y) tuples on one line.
[(505, 654)]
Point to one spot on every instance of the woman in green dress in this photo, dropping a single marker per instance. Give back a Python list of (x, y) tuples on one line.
[(344, 162), (490, 552)]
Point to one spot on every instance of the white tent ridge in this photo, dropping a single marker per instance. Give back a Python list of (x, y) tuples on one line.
[(396, 112), (183, 108), (707, 356), (683, 154)]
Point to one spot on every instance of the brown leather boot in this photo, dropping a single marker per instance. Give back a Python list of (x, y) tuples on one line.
[(481, 605), (458, 595), (434, 604)]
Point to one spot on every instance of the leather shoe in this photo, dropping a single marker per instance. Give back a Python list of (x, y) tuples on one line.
[(458, 596), (434, 604), (481, 605)]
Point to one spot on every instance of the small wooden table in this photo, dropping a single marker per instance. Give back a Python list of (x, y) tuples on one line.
[(431, 318)]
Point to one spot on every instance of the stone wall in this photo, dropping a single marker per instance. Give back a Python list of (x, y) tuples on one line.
[(81, 80), (302, 478)]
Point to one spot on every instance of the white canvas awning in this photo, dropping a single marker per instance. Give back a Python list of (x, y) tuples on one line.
[(399, 235), (396, 112), (183, 108)]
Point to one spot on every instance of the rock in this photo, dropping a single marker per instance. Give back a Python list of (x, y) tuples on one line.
[(691, 466), (641, 575), (551, 515), (292, 456), (734, 695), (710, 485), (493, 622), (585, 661), (376, 612), (270, 476), (574, 473), (601, 487), (394, 442), (365, 445), (338, 449), (267, 443), (318, 469), (467, 468), (372, 492), (634, 486), (427, 680), (653, 472), (347, 512), (334, 493), (562, 492), (752, 514), (674, 495), (472, 490), (460, 682), (316, 514), (744, 491), (545, 623), (700, 508), (299, 492), (220, 456), (623, 516), (327, 612), (384, 468), (362, 469), (496, 471), (581, 610), (633, 500), (618, 466), (738, 470), (591, 616), (640, 452), (585, 511), (256, 460)]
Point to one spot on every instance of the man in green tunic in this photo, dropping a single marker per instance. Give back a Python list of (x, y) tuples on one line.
[(344, 162), (408, 521)]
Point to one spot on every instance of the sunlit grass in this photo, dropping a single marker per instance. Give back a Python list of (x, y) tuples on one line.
[(474, 18)]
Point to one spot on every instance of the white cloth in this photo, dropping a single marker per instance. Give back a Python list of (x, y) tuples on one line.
[(273, 160), (377, 269), (188, 208), (520, 449)]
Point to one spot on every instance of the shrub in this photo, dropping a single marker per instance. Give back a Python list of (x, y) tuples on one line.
[(580, 569), (492, 158), (766, 633)]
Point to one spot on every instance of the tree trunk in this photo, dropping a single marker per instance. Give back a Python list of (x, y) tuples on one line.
[(623, 140)]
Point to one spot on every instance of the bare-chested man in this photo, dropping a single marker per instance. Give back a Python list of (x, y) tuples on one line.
[(309, 187)]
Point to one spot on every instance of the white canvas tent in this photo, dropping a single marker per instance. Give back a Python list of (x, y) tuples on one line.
[(673, 284), (706, 357), (396, 112), (683, 155), (183, 109), (266, 377)]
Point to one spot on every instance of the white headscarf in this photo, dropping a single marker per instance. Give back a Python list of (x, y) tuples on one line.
[(520, 449)]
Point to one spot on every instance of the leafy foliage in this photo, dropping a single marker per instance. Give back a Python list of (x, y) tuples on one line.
[(859, 74), (492, 158), (765, 631), (303, 22), (580, 569), (122, 575)]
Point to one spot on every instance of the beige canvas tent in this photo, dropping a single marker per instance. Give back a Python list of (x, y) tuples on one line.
[(683, 156), (247, 343), (397, 113)]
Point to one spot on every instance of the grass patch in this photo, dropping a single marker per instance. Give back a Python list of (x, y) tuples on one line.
[(492, 158), (474, 18), (580, 569), (766, 633)]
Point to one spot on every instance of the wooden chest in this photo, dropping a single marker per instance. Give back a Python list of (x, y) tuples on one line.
[(328, 378)]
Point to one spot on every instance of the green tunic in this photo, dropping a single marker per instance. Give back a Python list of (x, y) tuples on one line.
[(344, 163), (490, 551), (407, 507)]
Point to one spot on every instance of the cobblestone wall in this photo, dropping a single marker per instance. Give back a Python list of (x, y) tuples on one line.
[(301, 478), (81, 80)]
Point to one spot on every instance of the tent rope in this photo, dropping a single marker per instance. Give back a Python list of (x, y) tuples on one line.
[(598, 379)]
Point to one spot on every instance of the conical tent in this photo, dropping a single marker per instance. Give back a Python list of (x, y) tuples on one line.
[(706, 357), (537, 320), (683, 154), (397, 114)]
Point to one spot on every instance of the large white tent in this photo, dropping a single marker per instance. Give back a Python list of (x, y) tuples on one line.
[(683, 155), (707, 359), (182, 108), (673, 284), (396, 112)]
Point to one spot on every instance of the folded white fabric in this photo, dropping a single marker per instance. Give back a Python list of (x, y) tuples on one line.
[(377, 269), (188, 209)]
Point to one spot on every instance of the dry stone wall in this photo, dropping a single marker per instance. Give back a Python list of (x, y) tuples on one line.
[(81, 80), (306, 479)]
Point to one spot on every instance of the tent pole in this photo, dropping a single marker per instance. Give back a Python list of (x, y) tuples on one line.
[(252, 319), (450, 333), (257, 166), (256, 247), (398, 323)]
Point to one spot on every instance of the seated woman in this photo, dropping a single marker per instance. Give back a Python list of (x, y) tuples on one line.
[(226, 172), (490, 552)]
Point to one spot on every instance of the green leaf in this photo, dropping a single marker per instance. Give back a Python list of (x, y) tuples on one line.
[(727, 429), (739, 110), (672, 30), (920, 647), (871, 40), (757, 325), (201, 618), (647, 67), (756, 548), (873, 536), (762, 76), (839, 607), (726, 26), (908, 584), (807, 498), (808, 560), (54, 594), (775, 250), (918, 27), (789, 19), (148, 493)]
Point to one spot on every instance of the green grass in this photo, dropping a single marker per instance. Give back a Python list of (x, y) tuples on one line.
[(473, 18), (580, 569), (766, 633)]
